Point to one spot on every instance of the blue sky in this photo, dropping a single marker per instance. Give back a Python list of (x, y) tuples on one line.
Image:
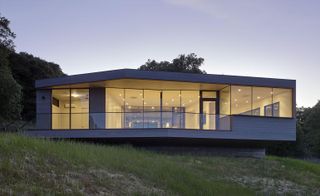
[(267, 38)]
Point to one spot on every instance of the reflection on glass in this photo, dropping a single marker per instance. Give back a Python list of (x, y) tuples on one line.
[(282, 102), (61, 109), (79, 108), (241, 100), (262, 101)]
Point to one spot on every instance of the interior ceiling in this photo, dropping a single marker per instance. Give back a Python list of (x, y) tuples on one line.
[(147, 84)]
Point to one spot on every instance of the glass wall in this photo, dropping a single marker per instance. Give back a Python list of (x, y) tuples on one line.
[(282, 102), (114, 108), (259, 101), (133, 108), (225, 101), (262, 101), (152, 108), (138, 108), (241, 100), (79, 108), (60, 108), (171, 109), (70, 109), (190, 106)]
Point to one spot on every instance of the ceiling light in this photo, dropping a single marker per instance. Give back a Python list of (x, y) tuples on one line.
[(75, 95), (239, 90), (258, 97)]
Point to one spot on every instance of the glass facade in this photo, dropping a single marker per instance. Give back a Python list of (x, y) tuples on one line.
[(259, 101), (186, 109), (70, 109), (241, 100)]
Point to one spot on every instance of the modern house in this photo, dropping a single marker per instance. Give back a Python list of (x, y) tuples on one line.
[(165, 106)]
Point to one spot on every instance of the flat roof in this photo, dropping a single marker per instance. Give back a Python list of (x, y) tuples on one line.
[(165, 76)]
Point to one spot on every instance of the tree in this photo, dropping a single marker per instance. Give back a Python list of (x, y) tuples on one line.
[(10, 90), (183, 63), (26, 69), (312, 130)]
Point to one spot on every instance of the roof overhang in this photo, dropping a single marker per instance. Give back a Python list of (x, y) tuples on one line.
[(101, 79)]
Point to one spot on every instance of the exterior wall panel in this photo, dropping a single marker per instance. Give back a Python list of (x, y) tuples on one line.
[(43, 109), (264, 128)]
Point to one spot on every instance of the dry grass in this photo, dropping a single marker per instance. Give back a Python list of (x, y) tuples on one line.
[(36, 167)]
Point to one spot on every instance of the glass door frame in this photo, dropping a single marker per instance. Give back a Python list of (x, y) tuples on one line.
[(217, 112)]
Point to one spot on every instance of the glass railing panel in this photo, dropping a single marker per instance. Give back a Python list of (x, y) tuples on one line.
[(224, 122), (190, 121), (208, 121), (152, 120), (60, 121), (79, 120), (133, 120), (97, 120), (114, 120)]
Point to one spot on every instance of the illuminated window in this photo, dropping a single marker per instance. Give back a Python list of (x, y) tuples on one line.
[(134, 108), (79, 108), (152, 115), (61, 109), (114, 108), (262, 101), (190, 105), (209, 94), (171, 109), (282, 102), (241, 100), (225, 101)]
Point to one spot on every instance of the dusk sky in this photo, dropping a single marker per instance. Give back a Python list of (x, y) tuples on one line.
[(267, 38)]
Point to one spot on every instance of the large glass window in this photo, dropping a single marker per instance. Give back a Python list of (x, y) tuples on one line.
[(114, 108), (134, 108), (241, 100), (190, 107), (259, 101), (262, 101), (60, 109), (70, 109), (79, 108), (171, 109), (152, 108), (282, 102), (225, 101)]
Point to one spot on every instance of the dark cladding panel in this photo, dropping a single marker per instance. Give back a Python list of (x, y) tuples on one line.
[(43, 108), (97, 108)]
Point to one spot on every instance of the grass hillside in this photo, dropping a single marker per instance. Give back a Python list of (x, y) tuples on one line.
[(37, 167)]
